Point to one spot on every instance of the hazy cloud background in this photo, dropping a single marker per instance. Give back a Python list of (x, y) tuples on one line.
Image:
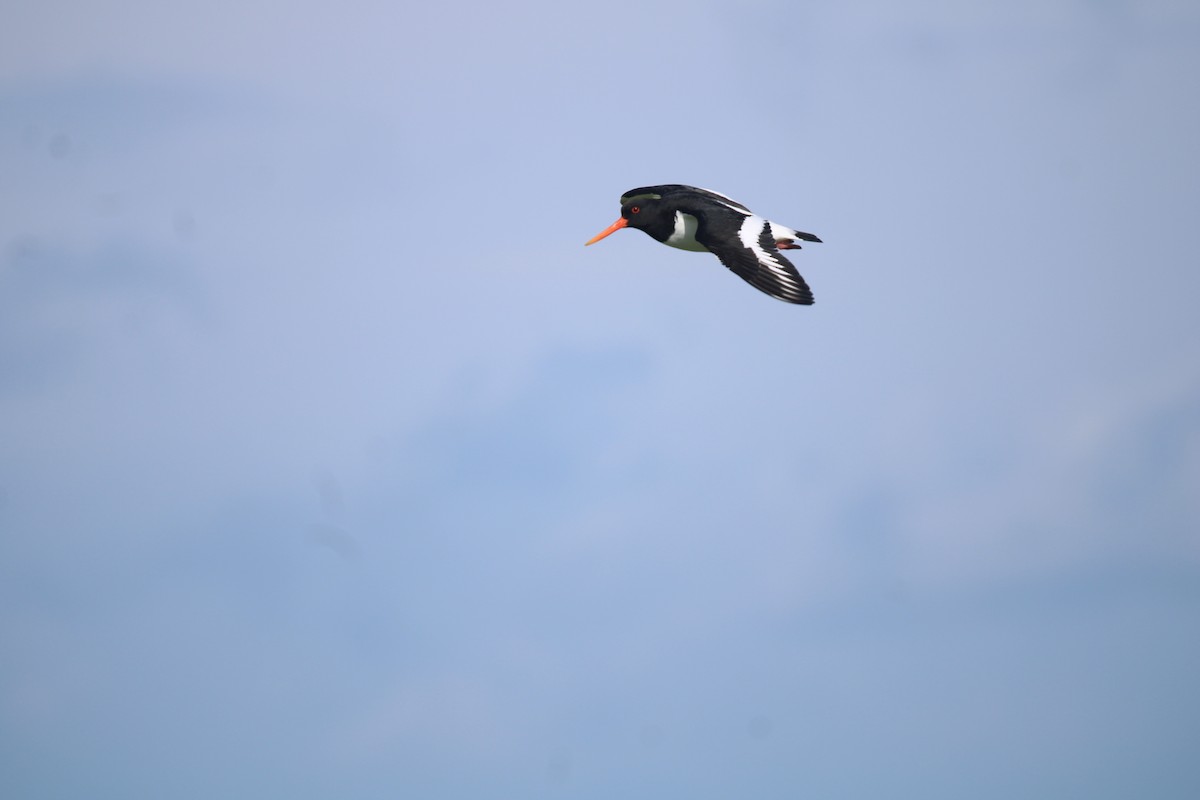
[(334, 465)]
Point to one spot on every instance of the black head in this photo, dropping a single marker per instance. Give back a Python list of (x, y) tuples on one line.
[(638, 213), (646, 212), (650, 213)]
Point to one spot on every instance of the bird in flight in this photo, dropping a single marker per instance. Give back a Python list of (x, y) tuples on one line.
[(700, 220)]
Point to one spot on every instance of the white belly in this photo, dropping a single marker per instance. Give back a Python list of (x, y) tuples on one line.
[(684, 236)]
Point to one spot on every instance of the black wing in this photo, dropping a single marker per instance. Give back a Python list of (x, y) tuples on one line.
[(751, 253), (685, 195)]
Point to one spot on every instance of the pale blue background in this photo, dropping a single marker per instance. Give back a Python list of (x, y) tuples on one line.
[(333, 465)]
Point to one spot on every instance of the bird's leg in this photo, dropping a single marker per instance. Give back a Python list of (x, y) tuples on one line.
[(787, 244)]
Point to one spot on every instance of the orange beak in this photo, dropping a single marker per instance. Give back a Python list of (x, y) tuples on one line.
[(616, 226)]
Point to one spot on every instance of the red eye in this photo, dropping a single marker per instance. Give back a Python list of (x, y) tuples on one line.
[(635, 209)]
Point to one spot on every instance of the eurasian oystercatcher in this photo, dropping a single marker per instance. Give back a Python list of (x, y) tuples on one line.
[(697, 219)]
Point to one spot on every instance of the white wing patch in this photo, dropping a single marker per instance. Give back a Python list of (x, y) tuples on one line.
[(750, 233)]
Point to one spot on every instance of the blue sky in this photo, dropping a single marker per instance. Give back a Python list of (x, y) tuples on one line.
[(335, 465)]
